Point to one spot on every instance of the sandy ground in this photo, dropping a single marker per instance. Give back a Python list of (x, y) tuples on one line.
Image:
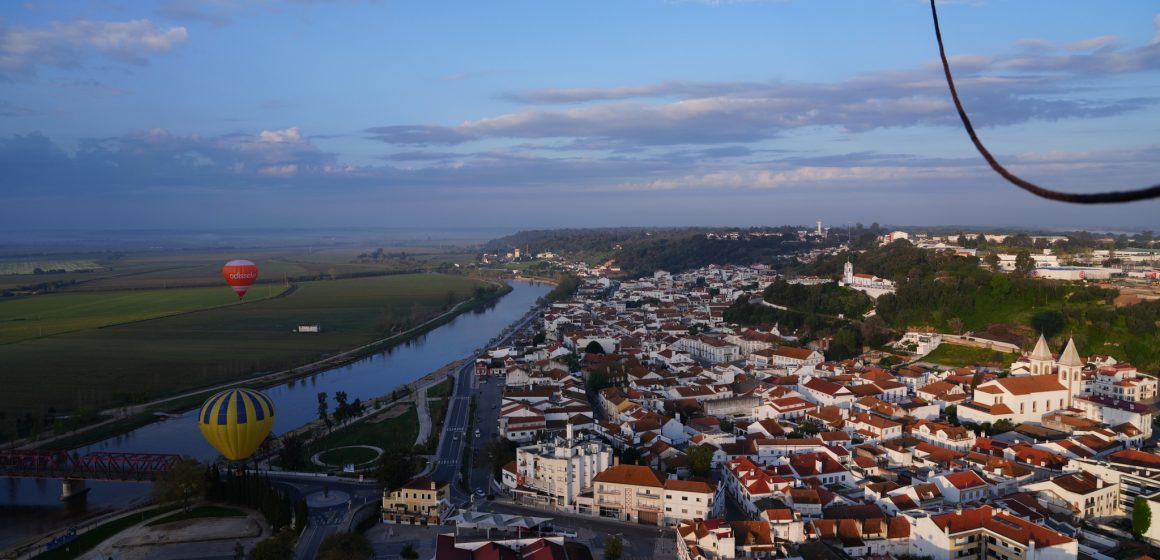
[(193, 538)]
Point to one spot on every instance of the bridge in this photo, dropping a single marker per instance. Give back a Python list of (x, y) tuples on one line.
[(73, 469)]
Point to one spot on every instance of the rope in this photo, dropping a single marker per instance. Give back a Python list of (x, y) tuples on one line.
[(1074, 198)]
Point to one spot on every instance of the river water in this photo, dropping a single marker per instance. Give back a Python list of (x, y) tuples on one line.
[(29, 507)]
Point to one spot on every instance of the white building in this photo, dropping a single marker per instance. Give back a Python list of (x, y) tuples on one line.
[(871, 285), (1082, 495), (555, 473), (986, 532), (1016, 399), (686, 500)]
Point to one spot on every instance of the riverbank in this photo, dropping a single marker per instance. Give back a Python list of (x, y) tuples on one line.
[(125, 419)]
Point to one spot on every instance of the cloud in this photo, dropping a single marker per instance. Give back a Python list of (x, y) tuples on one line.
[(159, 158), (9, 109), (71, 44)]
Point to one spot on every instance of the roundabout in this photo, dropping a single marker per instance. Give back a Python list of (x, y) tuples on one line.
[(358, 455)]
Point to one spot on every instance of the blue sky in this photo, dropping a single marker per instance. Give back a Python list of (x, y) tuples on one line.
[(223, 113)]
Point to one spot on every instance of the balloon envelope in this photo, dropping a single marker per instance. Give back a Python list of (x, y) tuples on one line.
[(240, 275), (236, 421)]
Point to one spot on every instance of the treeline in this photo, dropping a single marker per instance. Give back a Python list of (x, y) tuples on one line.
[(827, 299), (953, 294), (254, 491), (689, 251), (566, 285), (641, 251), (847, 338)]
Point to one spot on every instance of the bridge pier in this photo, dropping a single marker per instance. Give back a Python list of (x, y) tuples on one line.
[(72, 489)]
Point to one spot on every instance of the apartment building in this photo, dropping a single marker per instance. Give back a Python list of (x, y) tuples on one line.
[(986, 532), (556, 472)]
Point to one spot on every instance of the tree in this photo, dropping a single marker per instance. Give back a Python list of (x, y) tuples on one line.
[(395, 468), (1141, 516), (992, 260), (291, 454), (952, 412), (1024, 264), (701, 459), (613, 548), (629, 456), (322, 409), (499, 452), (278, 547), (408, 552), (1049, 322), (955, 325), (344, 546), (183, 483)]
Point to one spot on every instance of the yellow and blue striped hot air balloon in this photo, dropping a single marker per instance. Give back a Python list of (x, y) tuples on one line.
[(236, 421)]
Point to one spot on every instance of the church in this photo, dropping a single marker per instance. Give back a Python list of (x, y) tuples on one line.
[(1098, 388), (873, 286)]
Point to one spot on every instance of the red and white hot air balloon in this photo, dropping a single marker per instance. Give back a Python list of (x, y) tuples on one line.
[(240, 275)]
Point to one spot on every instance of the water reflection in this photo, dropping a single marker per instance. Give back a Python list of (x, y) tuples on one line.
[(295, 402)]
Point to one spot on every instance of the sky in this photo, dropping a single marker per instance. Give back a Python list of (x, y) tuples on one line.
[(532, 113)]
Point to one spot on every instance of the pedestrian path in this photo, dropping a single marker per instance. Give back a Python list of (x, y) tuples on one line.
[(424, 416)]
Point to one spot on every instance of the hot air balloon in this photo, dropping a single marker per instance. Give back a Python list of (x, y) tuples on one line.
[(240, 275), (236, 421)]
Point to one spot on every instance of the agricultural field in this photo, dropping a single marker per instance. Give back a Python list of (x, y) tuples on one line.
[(133, 362), (23, 318), (958, 356)]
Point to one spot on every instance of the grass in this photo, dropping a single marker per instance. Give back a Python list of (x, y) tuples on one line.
[(348, 455), (31, 317), (391, 433), (442, 389), (955, 355), (91, 539), (199, 512), (138, 361)]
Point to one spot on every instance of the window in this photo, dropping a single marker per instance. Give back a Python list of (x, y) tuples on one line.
[(684, 498)]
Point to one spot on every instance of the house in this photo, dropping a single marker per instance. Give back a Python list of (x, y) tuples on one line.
[(686, 500), (961, 487), (629, 493), (1081, 495), (945, 435), (419, 502), (826, 393)]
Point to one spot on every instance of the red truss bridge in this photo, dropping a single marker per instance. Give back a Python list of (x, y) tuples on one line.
[(74, 469)]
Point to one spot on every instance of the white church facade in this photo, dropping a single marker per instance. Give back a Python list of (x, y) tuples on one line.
[(871, 285)]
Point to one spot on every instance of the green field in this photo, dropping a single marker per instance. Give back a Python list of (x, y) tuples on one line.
[(351, 455), (388, 434), (957, 356), (22, 318), (134, 362)]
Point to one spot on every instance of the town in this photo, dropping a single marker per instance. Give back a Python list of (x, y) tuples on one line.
[(641, 405)]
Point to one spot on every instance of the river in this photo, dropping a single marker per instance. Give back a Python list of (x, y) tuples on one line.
[(30, 507)]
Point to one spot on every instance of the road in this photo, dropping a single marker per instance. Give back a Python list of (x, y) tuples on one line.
[(326, 517), (452, 440)]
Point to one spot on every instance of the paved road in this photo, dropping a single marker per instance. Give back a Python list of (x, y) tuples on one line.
[(452, 440), (324, 521)]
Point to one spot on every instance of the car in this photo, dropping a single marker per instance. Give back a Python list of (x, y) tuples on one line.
[(477, 432), (479, 493), (455, 437), (570, 533)]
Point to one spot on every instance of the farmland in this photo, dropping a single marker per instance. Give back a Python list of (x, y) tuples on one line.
[(23, 318), (95, 368)]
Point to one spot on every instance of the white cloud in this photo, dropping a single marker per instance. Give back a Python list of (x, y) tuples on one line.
[(71, 44)]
